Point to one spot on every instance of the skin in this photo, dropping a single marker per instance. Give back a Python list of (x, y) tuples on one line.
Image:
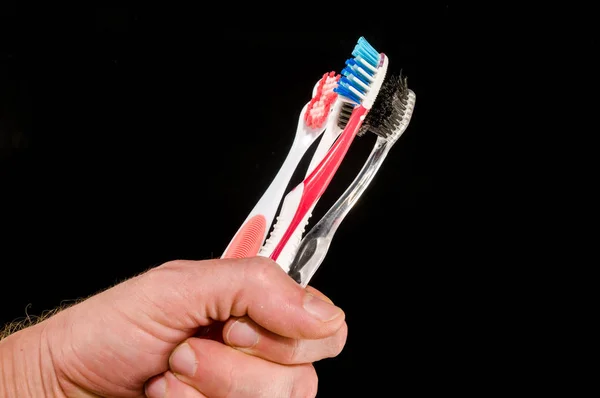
[(214, 328)]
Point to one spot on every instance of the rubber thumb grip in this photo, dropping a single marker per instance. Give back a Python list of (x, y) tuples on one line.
[(249, 238)]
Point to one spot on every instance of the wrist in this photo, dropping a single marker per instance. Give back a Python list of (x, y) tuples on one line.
[(26, 368)]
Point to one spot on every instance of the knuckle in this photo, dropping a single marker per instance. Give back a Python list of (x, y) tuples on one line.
[(262, 268), (306, 384), (174, 265), (176, 272), (159, 276)]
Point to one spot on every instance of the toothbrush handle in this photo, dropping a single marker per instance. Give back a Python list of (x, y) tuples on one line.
[(291, 202), (253, 231), (316, 183), (329, 136), (314, 246)]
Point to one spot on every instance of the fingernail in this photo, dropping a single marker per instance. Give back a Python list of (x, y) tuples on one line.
[(242, 334), (183, 360), (157, 387), (320, 309)]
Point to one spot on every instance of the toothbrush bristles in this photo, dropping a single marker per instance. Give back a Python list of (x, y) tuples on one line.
[(320, 105), (359, 73), (389, 107), (344, 116)]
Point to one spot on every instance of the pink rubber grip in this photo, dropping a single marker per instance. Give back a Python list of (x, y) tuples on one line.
[(249, 238)]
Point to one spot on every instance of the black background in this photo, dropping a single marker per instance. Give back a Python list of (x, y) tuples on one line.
[(131, 137)]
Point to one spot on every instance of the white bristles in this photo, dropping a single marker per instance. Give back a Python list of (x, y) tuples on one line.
[(358, 81), (376, 85), (364, 73), (366, 64), (355, 91)]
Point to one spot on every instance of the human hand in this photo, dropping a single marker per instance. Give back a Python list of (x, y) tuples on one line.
[(138, 337)]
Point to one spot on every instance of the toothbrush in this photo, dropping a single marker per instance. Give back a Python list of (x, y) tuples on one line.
[(253, 231), (389, 119), (360, 85), (340, 115)]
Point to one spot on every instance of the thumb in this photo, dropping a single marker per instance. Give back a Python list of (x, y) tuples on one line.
[(190, 294)]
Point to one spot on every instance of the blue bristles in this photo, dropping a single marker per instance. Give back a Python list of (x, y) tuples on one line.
[(344, 90), (363, 57), (354, 70), (359, 72), (358, 85), (366, 51)]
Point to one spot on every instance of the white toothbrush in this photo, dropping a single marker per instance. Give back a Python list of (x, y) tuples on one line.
[(311, 124), (340, 115)]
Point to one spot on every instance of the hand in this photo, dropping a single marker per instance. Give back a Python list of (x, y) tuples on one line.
[(141, 336)]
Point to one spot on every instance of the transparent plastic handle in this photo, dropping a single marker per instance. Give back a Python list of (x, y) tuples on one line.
[(314, 246)]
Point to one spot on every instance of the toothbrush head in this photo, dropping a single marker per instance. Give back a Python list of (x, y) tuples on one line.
[(363, 75), (392, 109), (320, 105)]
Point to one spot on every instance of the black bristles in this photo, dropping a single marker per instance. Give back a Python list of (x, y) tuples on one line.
[(345, 112), (388, 109)]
